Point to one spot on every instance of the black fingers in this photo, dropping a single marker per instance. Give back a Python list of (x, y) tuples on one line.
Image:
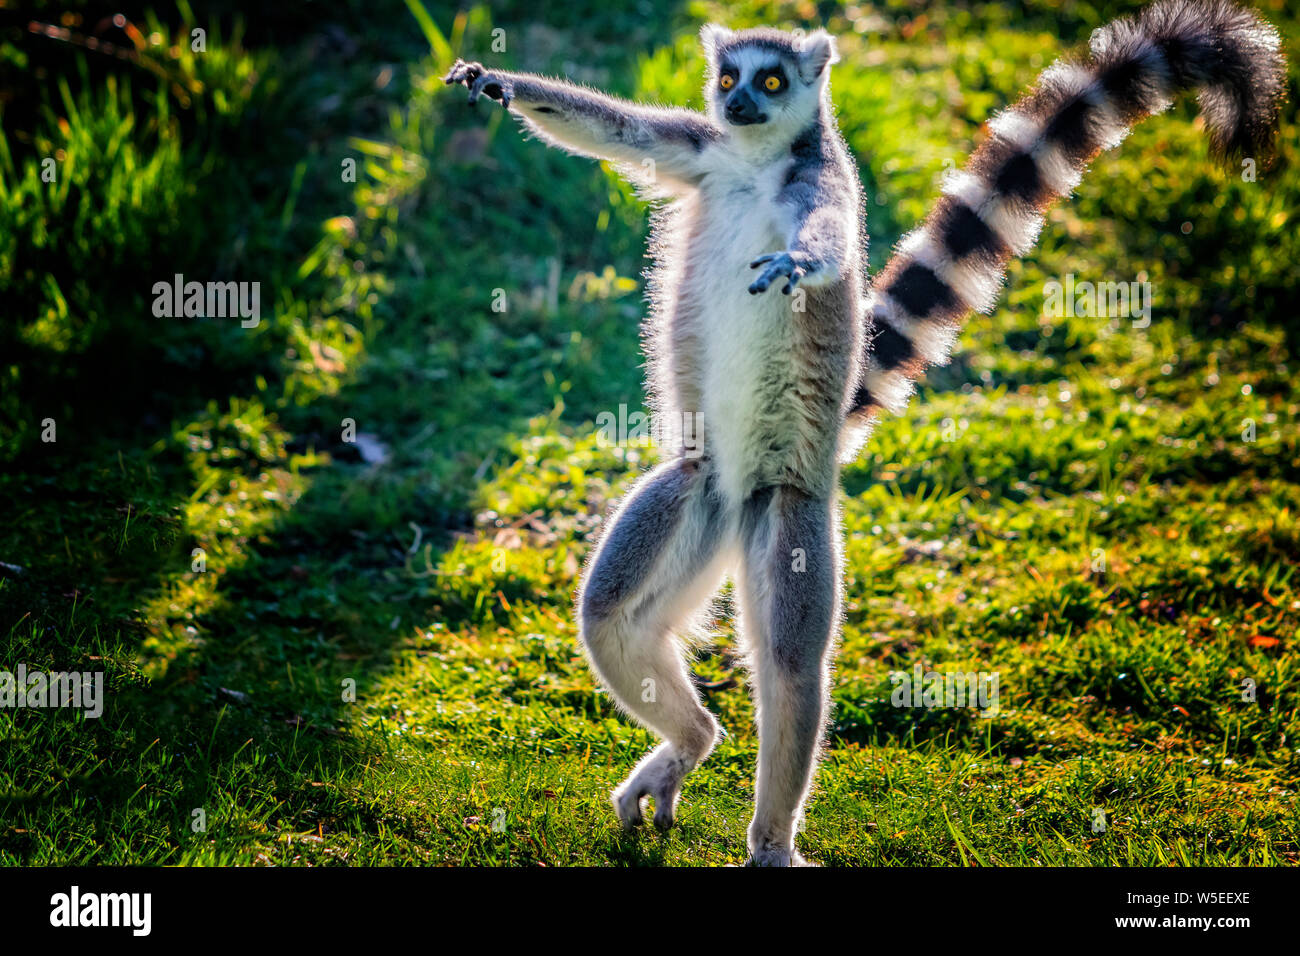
[(479, 81), (778, 264), (462, 72)]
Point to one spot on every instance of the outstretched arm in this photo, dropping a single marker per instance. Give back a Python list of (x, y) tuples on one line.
[(592, 124)]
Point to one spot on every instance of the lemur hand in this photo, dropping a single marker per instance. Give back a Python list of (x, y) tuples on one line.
[(480, 82), (796, 265)]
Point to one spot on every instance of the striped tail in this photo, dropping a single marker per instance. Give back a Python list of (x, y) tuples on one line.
[(1038, 151)]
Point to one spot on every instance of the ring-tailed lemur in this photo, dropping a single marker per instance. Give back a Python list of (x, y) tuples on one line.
[(787, 385)]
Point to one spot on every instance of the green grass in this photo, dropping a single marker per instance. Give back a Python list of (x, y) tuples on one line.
[(440, 580)]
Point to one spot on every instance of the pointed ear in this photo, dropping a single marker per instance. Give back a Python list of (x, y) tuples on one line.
[(816, 53), (711, 36)]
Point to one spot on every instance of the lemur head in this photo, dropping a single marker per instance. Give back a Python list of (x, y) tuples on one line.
[(765, 82)]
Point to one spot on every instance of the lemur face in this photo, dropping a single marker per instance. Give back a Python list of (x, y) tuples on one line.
[(766, 79)]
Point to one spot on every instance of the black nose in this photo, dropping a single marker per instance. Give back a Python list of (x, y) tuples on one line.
[(742, 110)]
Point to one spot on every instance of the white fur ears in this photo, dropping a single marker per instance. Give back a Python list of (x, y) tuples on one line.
[(712, 34), (816, 52)]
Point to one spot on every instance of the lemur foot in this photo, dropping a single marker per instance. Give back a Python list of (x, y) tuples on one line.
[(777, 856), (795, 265), (480, 82), (658, 776)]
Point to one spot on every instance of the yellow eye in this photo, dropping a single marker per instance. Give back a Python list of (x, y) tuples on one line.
[(772, 84), (727, 81)]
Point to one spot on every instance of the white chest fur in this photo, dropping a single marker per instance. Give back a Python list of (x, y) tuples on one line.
[(746, 372)]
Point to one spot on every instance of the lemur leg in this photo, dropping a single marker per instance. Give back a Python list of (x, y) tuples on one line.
[(662, 557), (789, 604)]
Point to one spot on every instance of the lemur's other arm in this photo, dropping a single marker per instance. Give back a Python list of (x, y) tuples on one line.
[(593, 124), (821, 204)]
